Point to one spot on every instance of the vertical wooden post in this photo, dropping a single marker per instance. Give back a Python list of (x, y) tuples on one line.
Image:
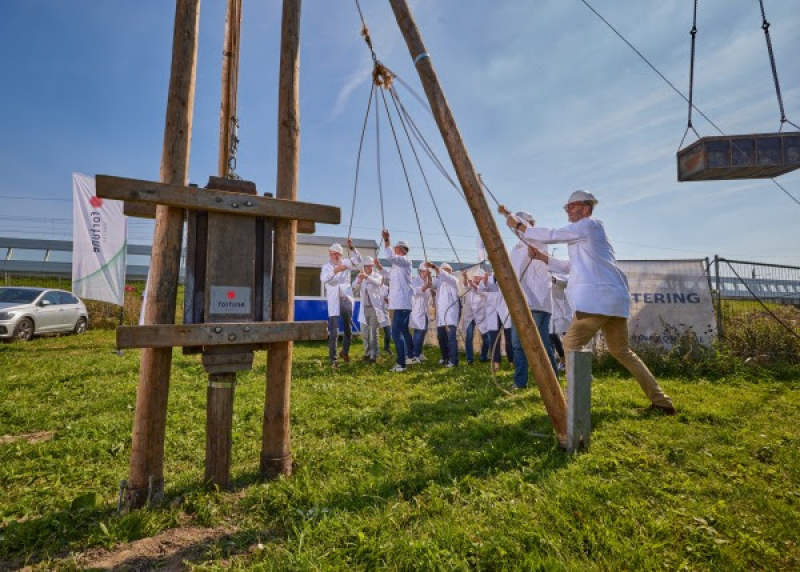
[(230, 83), (579, 399), (146, 472), (222, 386), (219, 428), (520, 314), (276, 452)]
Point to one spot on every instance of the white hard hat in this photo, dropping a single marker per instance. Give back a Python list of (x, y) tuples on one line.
[(526, 216), (478, 273), (446, 266), (336, 247), (423, 267), (403, 244), (580, 196), (368, 261)]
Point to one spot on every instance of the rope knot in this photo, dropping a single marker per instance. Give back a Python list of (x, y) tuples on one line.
[(381, 76)]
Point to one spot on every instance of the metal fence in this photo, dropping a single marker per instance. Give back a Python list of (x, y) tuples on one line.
[(757, 308)]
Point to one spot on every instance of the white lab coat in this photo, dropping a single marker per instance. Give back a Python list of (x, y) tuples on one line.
[(496, 307), (534, 277), (370, 288), (447, 311), (562, 313), (399, 280), (384, 305), (475, 308), (420, 302), (596, 284), (337, 285)]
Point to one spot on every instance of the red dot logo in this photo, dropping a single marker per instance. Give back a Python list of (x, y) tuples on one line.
[(96, 202), (231, 295)]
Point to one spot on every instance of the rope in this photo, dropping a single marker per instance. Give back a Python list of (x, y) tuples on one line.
[(358, 159), (670, 84), (378, 158), (405, 173), (429, 151), (488, 190), (753, 294), (393, 93)]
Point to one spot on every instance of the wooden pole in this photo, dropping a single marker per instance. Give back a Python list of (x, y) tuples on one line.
[(276, 452), (222, 386), (520, 314), (146, 472), (230, 83)]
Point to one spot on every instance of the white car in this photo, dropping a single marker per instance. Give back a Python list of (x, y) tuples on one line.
[(28, 312)]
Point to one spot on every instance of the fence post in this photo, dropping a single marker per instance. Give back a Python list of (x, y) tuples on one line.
[(720, 335), (579, 399)]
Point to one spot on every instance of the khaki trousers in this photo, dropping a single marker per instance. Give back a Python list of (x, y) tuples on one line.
[(615, 330)]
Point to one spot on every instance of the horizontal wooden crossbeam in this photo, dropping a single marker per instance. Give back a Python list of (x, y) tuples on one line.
[(222, 334), (148, 192), (148, 210)]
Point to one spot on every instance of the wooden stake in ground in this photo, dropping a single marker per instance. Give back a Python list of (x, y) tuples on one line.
[(276, 452), (518, 308), (146, 473), (223, 231)]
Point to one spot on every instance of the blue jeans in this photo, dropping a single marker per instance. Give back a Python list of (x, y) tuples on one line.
[(542, 321), (470, 338), (448, 343), (402, 336), (419, 339)]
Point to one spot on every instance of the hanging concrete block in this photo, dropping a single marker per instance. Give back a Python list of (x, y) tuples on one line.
[(732, 157)]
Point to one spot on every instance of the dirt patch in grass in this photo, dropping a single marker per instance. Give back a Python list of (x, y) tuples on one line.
[(166, 551), (38, 437)]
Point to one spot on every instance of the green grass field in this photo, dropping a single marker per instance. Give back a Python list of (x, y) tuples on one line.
[(431, 470)]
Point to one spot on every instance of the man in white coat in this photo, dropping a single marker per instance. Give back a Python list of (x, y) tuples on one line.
[(597, 289), (562, 316), (475, 316), (385, 325), (335, 276), (534, 277), (420, 302), (399, 298), (368, 283), (447, 312)]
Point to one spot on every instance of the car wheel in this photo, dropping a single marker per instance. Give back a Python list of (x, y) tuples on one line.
[(24, 330), (80, 327)]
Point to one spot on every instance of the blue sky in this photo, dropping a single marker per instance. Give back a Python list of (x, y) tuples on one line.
[(546, 97)]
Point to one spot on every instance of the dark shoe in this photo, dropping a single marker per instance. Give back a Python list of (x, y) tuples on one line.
[(515, 387), (345, 357), (469, 362), (665, 409)]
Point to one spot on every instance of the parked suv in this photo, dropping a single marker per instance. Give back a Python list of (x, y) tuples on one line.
[(26, 312)]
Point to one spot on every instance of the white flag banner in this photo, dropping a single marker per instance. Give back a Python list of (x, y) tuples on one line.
[(99, 244), (669, 298)]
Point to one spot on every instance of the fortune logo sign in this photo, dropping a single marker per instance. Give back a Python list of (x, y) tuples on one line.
[(229, 300)]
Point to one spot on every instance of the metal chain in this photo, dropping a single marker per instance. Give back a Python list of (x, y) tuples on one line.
[(765, 27), (693, 33), (233, 148)]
